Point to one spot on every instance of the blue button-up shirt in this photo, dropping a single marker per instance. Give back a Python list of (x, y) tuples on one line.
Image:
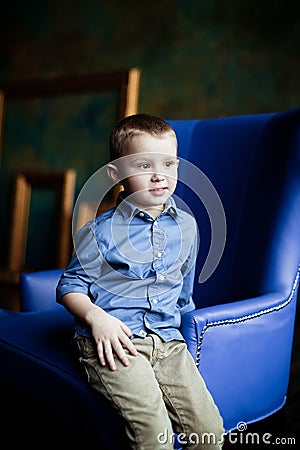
[(138, 269)]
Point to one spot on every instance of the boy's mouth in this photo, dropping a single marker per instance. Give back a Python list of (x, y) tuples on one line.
[(158, 190)]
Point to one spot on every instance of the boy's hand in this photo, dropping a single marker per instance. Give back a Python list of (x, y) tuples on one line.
[(111, 336)]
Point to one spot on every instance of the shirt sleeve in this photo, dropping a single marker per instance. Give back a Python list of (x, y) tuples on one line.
[(185, 300), (84, 267)]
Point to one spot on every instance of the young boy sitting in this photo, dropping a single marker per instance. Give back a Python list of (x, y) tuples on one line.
[(128, 283)]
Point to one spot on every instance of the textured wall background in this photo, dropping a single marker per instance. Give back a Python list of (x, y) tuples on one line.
[(199, 58)]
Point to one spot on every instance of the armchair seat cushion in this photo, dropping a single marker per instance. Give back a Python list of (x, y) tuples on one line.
[(39, 365)]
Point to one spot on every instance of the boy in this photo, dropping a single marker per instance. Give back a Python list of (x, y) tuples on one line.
[(128, 284)]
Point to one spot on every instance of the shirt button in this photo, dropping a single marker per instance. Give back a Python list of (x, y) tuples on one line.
[(159, 254), (161, 277), (155, 301), (155, 222), (141, 214), (142, 333)]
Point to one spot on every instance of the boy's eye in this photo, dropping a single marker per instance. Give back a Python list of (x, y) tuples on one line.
[(144, 166), (169, 163)]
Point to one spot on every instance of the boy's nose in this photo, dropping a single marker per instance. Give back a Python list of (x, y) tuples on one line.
[(157, 177)]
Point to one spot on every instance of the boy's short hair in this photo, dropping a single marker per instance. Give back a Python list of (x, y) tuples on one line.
[(135, 125)]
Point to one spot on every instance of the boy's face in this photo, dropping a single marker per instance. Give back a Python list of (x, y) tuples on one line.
[(148, 172)]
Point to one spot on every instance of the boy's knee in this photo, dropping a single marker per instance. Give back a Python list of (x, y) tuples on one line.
[(213, 437), (206, 434), (151, 432)]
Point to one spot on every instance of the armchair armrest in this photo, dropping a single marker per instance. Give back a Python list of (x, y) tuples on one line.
[(37, 290), (196, 323), (243, 351)]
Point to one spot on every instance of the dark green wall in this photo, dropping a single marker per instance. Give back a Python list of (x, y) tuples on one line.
[(199, 58)]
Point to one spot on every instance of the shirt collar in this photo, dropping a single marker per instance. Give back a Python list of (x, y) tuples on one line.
[(129, 210)]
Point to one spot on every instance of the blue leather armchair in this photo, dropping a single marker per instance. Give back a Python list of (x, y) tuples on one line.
[(242, 182)]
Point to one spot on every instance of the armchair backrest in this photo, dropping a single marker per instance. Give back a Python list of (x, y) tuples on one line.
[(253, 161)]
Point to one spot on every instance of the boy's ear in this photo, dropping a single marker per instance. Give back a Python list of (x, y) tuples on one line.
[(113, 172)]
